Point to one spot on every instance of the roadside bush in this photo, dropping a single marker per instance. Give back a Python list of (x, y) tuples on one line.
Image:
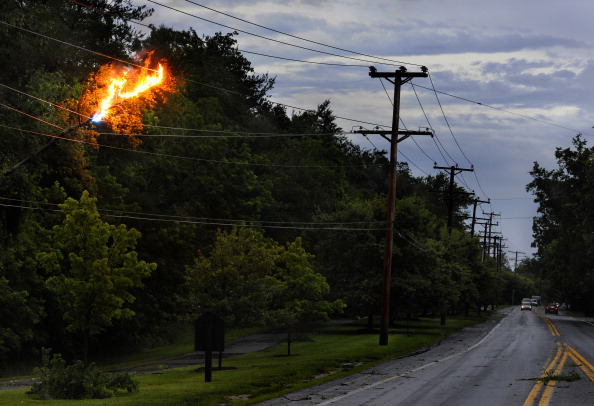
[(59, 381)]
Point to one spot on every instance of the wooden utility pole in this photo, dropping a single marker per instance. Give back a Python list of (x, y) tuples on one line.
[(398, 78), (454, 170), (489, 234), (516, 262), (476, 201)]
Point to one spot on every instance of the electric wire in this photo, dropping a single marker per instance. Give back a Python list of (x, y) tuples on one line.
[(454, 137), (286, 105), (446, 119), (302, 226), (460, 176), (42, 100), (301, 60), (404, 126), (224, 133), (506, 111), (447, 122), (435, 138), (333, 226), (186, 79), (139, 151), (267, 38), (301, 38), (240, 50), (528, 117), (31, 116)]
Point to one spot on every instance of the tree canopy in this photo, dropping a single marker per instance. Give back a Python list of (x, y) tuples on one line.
[(92, 268), (268, 216), (563, 230)]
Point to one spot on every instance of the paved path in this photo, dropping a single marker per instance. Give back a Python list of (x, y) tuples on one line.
[(251, 343)]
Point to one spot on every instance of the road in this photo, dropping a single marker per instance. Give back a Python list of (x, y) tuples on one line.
[(499, 367)]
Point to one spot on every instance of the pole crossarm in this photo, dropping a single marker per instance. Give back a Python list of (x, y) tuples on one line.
[(384, 133), (454, 170)]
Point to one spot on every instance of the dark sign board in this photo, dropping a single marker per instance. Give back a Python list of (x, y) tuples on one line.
[(209, 333)]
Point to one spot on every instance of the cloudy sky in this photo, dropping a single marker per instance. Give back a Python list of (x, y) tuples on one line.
[(514, 79)]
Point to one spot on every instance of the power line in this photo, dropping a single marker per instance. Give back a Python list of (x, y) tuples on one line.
[(446, 119), (240, 50), (435, 138), (504, 111), (186, 79), (267, 38), (222, 133), (33, 205), (139, 151), (300, 60), (301, 38)]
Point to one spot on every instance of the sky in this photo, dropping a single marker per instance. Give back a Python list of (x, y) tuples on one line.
[(513, 80)]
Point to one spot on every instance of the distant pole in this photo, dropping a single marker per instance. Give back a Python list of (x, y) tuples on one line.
[(476, 201), (454, 170), (516, 261), (400, 77)]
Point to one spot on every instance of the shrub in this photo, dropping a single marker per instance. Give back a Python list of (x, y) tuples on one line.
[(77, 381)]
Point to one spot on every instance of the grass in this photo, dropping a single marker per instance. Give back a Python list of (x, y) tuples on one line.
[(246, 379), (571, 376)]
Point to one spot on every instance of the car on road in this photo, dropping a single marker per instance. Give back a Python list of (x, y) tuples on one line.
[(537, 298), (526, 305), (552, 308)]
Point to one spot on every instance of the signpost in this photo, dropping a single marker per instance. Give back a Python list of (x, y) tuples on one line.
[(209, 336)]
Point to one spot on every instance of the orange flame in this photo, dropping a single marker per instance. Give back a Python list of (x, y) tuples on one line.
[(128, 84)]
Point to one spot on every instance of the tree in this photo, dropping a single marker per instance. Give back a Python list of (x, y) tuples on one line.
[(563, 231), (92, 267), (252, 280), (352, 259)]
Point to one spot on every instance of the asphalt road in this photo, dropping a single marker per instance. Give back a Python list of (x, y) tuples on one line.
[(497, 363)]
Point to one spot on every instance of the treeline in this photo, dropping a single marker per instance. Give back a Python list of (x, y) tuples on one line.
[(563, 232), (226, 200)]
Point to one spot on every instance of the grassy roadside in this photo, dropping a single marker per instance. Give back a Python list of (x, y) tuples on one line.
[(323, 355)]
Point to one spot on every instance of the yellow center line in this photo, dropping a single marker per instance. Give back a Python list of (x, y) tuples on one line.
[(581, 361), (546, 396), (551, 326), (536, 389), (563, 351)]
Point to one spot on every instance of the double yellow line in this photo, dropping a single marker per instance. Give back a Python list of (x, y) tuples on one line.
[(555, 367)]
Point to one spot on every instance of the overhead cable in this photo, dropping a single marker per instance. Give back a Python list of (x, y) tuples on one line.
[(301, 38)]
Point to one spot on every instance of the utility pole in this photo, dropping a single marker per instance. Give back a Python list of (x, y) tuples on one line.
[(398, 78), (476, 201), (486, 224), (490, 224), (454, 170), (502, 246), (516, 262)]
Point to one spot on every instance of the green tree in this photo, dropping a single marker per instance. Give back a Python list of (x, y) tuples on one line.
[(351, 259), (252, 280), (92, 267), (563, 232)]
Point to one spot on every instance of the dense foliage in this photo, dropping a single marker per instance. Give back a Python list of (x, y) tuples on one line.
[(271, 218), (563, 232)]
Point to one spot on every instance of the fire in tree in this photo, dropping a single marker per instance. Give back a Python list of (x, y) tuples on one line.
[(118, 94)]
